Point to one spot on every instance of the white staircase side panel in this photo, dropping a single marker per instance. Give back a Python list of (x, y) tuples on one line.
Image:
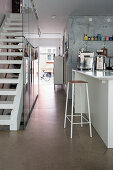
[(11, 54), (11, 46), (7, 40), (11, 61), (10, 71), (9, 81), (18, 106), (7, 92), (5, 119)]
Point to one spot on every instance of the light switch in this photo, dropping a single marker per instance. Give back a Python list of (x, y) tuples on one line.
[(90, 19)]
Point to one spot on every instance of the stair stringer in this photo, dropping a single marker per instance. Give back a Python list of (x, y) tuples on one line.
[(17, 111)]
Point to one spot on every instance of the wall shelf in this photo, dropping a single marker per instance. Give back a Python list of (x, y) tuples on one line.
[(98, 40)]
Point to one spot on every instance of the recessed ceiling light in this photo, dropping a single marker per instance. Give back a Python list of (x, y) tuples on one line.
[(53, 16), (108, 20)]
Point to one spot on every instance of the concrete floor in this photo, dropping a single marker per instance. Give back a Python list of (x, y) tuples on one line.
[(45, 145)]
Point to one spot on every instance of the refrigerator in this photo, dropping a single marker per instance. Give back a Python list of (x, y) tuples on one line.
[(58, 70)]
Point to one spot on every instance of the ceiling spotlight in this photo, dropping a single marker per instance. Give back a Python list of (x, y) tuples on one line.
[(53, 16), (108, 20)]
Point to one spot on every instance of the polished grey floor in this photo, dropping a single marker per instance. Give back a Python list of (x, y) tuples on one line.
[(45, 145)]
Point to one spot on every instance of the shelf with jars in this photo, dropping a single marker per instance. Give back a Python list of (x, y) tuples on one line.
[(98, 37)]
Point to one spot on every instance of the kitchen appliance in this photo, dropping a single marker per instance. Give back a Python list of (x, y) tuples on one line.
[(86, 60), (103, 51), (100, 62)]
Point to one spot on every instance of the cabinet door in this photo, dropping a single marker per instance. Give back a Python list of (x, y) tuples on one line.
[(58, 70)]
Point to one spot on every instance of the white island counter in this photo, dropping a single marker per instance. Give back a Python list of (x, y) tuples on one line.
[(101, 101)]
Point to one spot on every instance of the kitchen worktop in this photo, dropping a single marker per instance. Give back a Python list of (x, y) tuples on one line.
[(101, 75)]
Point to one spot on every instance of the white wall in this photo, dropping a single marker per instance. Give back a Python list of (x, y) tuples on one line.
[(48, 42), (5, 6)]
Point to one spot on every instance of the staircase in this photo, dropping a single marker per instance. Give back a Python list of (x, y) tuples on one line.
[(11, 71)]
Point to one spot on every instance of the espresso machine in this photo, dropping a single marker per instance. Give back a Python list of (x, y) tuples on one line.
[(100, 59), (86, 60)]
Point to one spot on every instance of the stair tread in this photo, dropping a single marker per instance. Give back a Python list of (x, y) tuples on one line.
[(13, 23), (9, 81), (6, 102), (14, 14), (10, 61), (8, 92), (11, 46), (11, 40), (11, 54), (7, 89), (11, 34), (5, 117), (12, 28), (14, 19), (6, 105), (10, 70)]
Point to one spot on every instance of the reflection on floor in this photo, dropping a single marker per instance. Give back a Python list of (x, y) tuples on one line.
[(46, 82), (45, 145)]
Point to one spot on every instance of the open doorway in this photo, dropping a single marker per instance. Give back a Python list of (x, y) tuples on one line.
[(46, 68)]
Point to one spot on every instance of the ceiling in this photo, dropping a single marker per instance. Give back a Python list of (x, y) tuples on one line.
[(63, 8)]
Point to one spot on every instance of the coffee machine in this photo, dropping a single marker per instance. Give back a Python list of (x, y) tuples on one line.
[(100, 62), (100, 59), (86, 60)]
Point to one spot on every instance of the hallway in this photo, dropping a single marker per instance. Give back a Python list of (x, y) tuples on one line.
[(45, 145)]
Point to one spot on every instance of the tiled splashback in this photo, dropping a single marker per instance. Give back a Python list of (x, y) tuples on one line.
[(79, 25)]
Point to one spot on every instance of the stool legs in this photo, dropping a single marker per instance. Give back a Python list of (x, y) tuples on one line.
[(81, 114), (66, 105), (88, 110), (81, 104), (72, 110)]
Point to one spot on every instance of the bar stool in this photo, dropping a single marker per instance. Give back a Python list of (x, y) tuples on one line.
[(86, 121)]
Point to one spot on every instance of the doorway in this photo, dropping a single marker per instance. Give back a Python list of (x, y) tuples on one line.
[(46, 68)]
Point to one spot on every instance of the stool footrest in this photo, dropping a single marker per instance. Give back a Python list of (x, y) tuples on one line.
[(87, 121), (80, 123), (78, 116)]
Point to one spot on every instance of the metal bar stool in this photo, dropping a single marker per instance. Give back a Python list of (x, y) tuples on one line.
[(81, 114)]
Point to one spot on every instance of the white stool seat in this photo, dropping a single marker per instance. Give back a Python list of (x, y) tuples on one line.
[(70, 117)]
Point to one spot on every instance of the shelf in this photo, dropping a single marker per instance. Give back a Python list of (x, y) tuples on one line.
[(99, 40)]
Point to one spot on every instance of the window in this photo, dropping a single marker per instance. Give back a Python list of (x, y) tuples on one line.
[(49, 52), (49, 58)]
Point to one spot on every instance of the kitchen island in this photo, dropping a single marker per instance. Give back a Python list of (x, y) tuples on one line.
[(101, 101)]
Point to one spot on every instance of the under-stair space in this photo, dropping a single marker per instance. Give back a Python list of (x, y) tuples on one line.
[(11, 71)]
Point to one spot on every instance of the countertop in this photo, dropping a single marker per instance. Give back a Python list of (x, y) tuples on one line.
[(101, 75)]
